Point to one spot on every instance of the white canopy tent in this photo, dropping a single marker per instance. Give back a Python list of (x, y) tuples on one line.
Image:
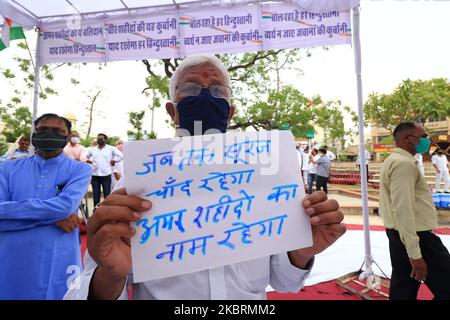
[(237, 26)]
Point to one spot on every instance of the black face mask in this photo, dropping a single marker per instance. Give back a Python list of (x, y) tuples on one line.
[(48, 141), (212, 112), (101, 142)]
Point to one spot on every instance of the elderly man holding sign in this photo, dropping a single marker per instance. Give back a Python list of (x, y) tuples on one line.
[(200, 89)]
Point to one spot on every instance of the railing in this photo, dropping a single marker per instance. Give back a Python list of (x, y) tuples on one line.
[(346, 177)]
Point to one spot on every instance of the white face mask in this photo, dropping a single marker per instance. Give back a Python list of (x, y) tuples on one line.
[(75, 140)]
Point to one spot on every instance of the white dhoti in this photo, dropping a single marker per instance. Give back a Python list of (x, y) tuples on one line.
[(305, 176), (445, 176)]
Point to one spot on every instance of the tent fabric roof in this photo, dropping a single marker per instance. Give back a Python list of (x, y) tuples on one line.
[(31, 13)]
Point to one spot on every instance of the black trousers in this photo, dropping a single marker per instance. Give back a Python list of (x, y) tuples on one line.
[(367, 171), (312, 178), (322, 182), (437, 258), (104, 183)]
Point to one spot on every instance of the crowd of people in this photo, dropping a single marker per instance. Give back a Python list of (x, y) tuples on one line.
[(105, 160), (40, 193), (38, 238), (315, 164)]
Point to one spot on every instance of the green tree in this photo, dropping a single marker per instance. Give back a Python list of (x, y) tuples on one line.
[(15, 112), (250, 73), (3, 145), (388, 140), (136, 120), (290, 107), (253, 74), (157, 85), (152, 135), (428, 99), (16, 123), (260, 102), (112, 140), (25, 70), (286, 106), (87, 141), (330, 117), (91, 109)]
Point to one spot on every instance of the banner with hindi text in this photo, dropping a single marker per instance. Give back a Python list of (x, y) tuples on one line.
[(187, 32)]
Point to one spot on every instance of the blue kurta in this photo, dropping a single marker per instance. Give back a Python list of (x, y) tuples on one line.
[(37, 258)]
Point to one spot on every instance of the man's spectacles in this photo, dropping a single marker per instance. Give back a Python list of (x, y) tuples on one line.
[(192, 89)]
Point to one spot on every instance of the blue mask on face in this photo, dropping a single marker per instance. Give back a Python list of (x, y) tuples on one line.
[(212, 112), (424, 145)]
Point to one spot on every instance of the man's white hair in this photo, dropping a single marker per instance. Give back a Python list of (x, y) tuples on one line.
[(195, 61)]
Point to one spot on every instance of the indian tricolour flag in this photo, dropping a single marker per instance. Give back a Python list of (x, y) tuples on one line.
[(10, 31)]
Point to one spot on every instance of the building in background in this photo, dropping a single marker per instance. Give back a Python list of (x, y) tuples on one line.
[(72, 118), (438, 129)]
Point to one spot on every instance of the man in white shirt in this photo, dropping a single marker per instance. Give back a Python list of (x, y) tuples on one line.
[(102, 157), (305, 163), (300, 158), (312, 169), (440, 163), (330, 155), (200, 91)]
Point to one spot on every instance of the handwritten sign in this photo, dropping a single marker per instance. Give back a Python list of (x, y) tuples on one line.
[(217, 199)]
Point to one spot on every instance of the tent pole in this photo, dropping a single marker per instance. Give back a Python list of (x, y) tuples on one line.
[(37, 70), (365, 208)]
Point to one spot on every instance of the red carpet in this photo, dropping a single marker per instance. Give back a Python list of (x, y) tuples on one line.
[(326, 290), (83, 238), (443, 231), (330, 291)]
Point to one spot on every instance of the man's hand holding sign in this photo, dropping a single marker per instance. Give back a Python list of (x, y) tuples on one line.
[(189, 208), (125, 219), (325, 218)]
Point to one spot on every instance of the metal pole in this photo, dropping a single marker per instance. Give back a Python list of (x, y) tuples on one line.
[(37, 70), (357, 52)]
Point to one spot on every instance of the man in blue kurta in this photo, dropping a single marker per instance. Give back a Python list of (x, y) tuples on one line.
[(39, 197)]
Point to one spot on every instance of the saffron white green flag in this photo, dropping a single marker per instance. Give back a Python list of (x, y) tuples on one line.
[(10, 31)]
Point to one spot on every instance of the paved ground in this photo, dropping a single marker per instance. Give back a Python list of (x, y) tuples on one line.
[(346, 200), (357, 219)]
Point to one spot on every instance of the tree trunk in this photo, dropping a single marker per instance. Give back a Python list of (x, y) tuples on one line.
[(91, 113)]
